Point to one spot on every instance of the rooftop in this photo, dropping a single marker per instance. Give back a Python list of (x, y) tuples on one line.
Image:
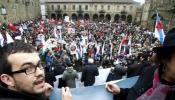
[(91, 1)]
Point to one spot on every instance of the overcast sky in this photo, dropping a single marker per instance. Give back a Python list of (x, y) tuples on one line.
[(142, 1)]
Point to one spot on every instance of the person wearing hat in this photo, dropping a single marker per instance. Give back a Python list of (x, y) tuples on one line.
[(155, 82)]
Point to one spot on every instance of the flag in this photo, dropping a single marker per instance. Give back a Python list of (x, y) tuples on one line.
[(102, 51), (1, 40), (25, 40), (55, 32), (159, 32), (111, 47), (129, 44), (12, 27), (9, 38), (78, 23), (71, 30), (123, 42), (21, 30), (43, 42)]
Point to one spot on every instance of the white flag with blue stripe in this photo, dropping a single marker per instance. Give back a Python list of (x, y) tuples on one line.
[(159, 32)]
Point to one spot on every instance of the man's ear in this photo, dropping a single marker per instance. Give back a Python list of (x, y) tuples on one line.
[(7, 79)]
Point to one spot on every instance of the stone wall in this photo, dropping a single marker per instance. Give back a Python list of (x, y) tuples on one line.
[(58, 9), (19, 10)]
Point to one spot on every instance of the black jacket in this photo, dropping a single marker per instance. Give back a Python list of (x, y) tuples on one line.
[(135, 69), (6, 94), (142, 85), (88, 74)]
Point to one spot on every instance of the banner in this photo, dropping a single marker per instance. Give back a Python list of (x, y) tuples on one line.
[(93, 92), (66, 19), (71, 30)]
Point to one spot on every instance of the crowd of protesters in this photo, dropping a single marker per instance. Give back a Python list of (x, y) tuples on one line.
[(126, 47)]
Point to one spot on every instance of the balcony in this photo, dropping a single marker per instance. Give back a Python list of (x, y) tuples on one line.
[(102, 11), (58, 11), (123, 12), (80, 11)]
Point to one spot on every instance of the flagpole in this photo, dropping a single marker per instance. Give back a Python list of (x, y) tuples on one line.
[(156, 12)]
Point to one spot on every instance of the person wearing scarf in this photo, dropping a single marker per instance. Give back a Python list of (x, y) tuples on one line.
[(155, 82)]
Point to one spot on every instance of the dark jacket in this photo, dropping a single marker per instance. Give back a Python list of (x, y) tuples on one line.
[(142, 85), (6, 94), (111, 77), (58, 68), (50, 77), (69, 76), (88, 74), (135, 69)]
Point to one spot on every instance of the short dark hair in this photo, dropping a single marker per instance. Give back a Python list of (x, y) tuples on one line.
[(15, 47)]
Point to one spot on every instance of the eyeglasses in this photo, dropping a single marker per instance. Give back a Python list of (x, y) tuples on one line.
[(30, 68)]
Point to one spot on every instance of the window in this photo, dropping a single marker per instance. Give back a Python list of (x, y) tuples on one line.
[(48, 7), (64, 7), (58, 6), (23, 2), (102, 7), (14, 6), (8, 1), (108, 7), (86, 7), (131, 7), (80, 7), (52, 7), (16, 1), (118, 7), (95, 7), (73, 7), (124, 7)]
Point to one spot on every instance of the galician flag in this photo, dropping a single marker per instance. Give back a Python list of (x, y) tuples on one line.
[(159, 32)]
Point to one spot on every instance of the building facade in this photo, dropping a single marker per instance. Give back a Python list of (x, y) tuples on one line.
[(165, 9), (107, 10), (19, 10)]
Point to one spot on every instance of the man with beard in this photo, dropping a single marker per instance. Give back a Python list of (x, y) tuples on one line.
[(22, 74)]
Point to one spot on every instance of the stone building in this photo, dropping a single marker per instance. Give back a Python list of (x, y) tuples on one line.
[(19, 10), (165, 9), (108, 10)]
